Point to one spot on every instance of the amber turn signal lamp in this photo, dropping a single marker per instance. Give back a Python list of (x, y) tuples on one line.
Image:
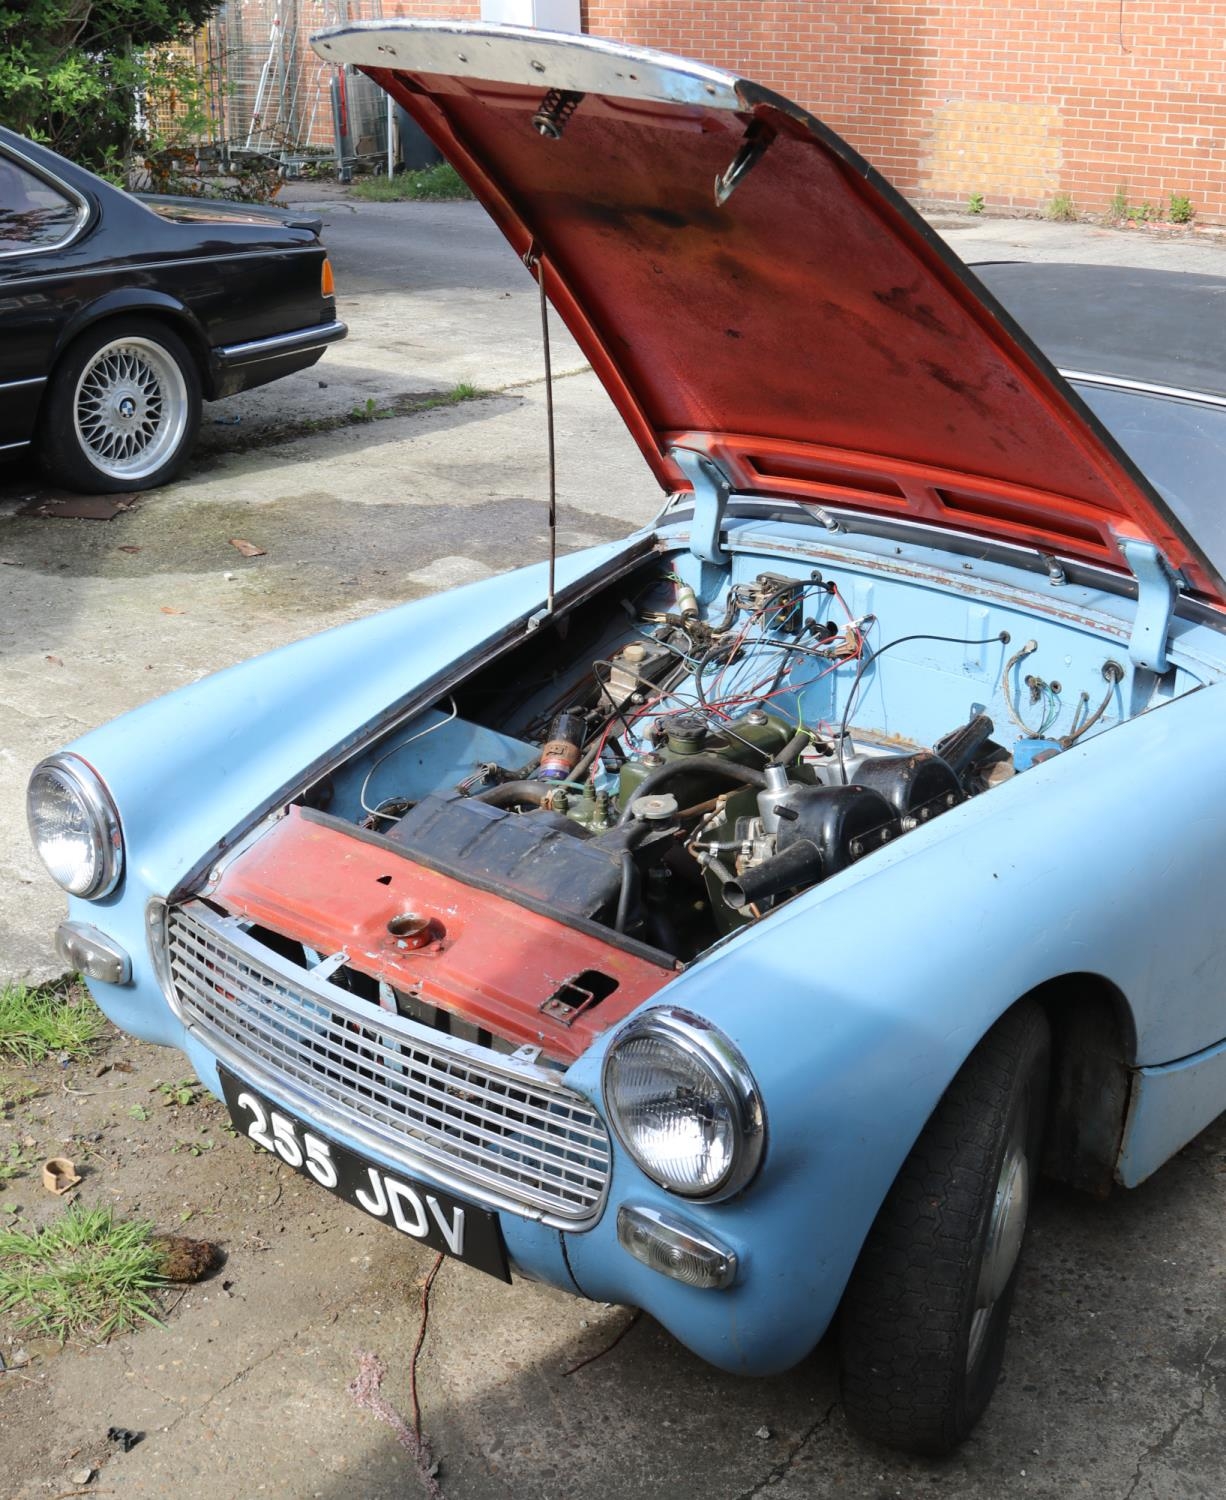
[(327, 286)]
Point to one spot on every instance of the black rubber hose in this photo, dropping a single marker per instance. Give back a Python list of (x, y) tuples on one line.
[(792, 749), (684, 765), (960, 746), (799, 864), (726, 623), (629, 888), (513, 793)]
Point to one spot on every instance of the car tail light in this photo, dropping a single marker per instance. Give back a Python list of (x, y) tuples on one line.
[(327, 285)]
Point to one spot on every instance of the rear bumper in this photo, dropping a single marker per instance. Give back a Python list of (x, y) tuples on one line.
[(238, 367)]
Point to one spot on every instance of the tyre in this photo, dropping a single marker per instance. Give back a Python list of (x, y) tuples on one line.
[(923, 1322), (122, 409)]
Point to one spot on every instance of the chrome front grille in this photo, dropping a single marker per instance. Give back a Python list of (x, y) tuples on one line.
[(503, 1132)]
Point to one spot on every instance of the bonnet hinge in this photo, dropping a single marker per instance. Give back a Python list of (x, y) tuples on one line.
[(1157, 592), (712, 488)]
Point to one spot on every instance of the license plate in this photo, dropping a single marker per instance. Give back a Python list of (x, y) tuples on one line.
[(424, 1213)]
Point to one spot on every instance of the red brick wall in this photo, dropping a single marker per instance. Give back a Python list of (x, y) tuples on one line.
[(1015, 99)]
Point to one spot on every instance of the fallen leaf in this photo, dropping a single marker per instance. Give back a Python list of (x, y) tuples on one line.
[(248, 549), (169, 609), (129, 549)]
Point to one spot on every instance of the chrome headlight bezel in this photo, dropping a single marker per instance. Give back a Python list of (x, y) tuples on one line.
[(102, 824), (704, 1046)]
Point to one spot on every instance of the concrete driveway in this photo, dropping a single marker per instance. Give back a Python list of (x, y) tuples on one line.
[(1111, 1384)]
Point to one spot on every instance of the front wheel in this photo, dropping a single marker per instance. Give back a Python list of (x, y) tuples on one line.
[(122, 409), (922, 1329)]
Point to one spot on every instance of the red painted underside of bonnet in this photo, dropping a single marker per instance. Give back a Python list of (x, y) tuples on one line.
[(493, 963), (811, 334)]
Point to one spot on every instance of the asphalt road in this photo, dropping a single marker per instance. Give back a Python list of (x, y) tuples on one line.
[(1111, 1384)]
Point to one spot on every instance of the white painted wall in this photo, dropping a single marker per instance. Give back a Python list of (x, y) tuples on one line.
[(548, 15)]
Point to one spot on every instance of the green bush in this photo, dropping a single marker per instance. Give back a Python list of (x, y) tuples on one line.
[(71, 71), (87, 1273)]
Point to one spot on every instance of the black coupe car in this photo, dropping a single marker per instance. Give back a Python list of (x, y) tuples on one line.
[(117, 317)]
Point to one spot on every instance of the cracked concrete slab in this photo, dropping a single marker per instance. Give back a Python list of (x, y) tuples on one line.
[(1110, 1388)]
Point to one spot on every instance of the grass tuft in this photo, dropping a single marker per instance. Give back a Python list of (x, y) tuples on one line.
[(49, 1020), (463, 390), (86, 1274), (371, 411), (1062, 209), (437, 184)]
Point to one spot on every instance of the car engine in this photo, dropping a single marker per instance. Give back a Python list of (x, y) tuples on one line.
[(675, 793)]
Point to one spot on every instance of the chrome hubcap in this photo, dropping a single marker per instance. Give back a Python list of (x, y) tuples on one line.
[(130, 408), (1006, 1229)]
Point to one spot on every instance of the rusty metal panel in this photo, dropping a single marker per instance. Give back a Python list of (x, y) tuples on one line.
[(478, 956)]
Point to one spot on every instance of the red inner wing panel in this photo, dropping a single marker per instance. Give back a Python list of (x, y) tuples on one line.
[(519, 975)]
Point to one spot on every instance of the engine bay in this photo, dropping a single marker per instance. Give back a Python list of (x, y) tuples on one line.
[(667, 773), (607, 795)]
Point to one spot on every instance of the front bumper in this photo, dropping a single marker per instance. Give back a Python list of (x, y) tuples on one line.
[(786, 1287)]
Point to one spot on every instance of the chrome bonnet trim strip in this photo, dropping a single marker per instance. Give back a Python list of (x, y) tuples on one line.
[(511, 54), (1144, 388)]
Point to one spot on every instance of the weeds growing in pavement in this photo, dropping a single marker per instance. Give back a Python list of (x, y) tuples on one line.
[(1182, 211), (50, 1020), (437, 184), (87, 1274)]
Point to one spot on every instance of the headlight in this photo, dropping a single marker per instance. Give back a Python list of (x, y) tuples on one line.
[(684, 1105), (75, 827)]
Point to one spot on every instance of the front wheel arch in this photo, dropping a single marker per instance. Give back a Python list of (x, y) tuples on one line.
[(1094, 1049)]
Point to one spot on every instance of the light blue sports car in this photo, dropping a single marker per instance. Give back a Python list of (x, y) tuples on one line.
[(733, 921)]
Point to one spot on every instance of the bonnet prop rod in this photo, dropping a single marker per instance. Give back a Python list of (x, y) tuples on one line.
[(534, 262)]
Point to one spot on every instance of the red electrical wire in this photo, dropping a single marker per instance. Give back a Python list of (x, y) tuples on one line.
[(421, 1339)]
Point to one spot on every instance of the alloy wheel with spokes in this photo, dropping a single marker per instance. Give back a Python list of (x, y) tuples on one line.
[(122, 407), (130, 408)]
